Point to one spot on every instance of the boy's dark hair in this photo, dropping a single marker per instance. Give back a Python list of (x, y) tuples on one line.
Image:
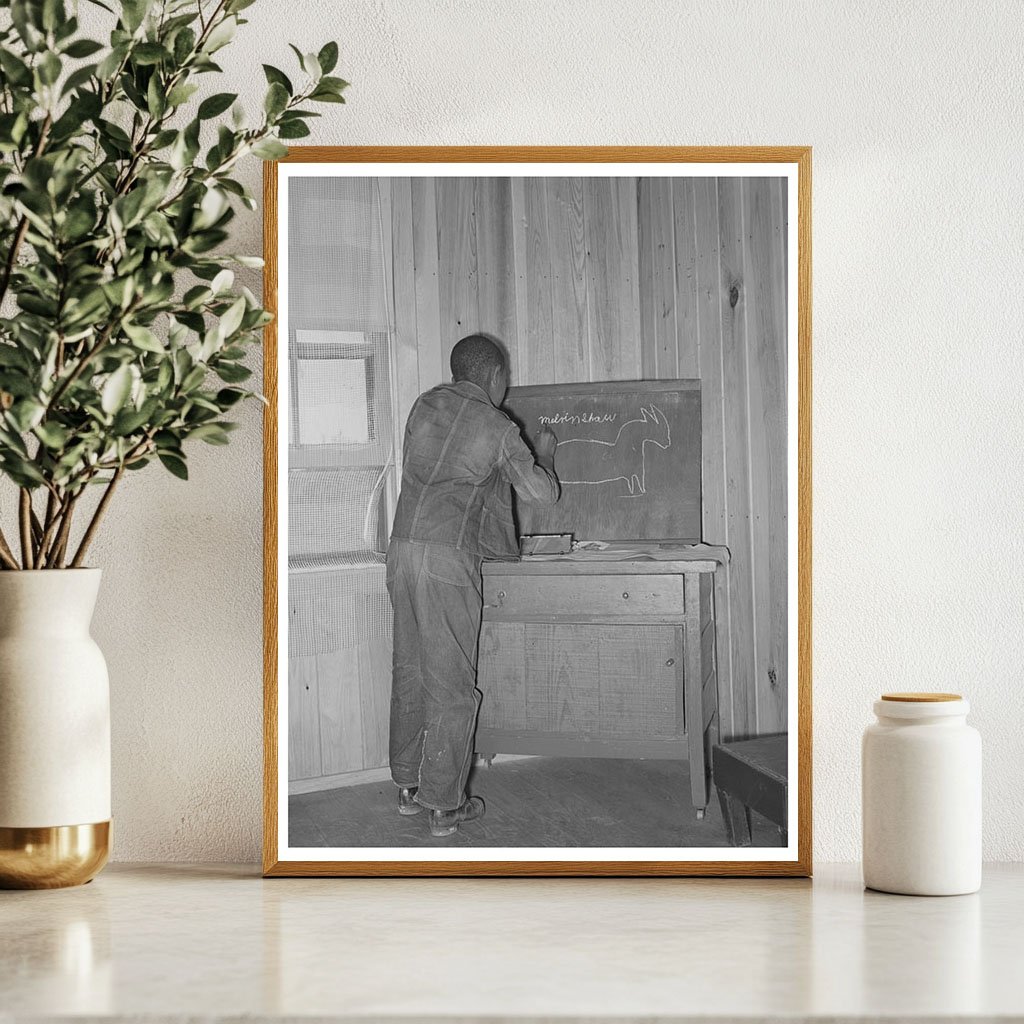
[(475, 358)]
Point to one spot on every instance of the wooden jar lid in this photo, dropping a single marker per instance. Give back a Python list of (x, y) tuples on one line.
[(920, 698)]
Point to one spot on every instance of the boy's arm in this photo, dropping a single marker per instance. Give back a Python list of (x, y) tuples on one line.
[(533, 478)]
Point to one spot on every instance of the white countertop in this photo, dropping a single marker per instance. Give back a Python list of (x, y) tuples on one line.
[(175, 941)]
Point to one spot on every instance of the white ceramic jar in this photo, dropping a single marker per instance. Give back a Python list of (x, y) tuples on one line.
[(921, 788)]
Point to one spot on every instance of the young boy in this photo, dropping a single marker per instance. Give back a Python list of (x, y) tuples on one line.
[(462, 459)]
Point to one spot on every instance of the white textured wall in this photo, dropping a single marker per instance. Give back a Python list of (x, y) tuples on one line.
[(914, 113)]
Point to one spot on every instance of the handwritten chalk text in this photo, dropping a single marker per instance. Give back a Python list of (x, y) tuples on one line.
[(578, 418)]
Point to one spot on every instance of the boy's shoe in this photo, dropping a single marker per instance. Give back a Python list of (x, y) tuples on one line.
[(407, 800), (444, 823)]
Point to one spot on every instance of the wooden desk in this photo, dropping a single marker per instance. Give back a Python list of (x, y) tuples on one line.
[(602, 657)]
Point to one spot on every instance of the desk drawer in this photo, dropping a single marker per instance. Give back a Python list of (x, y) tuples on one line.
[(648, 598)]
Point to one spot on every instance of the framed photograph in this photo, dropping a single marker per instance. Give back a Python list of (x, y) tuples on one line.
[(537, 522)]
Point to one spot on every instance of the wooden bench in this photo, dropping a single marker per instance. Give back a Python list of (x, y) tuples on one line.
[(750, 775)]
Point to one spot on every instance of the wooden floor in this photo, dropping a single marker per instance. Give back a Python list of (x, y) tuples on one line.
[(539, 801)]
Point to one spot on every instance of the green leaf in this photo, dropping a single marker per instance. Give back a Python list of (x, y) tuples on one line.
[(26, 414), (14, 68), (221, 35), (129, 207), (227, 397), (193, 379), (328, 57), (164, 375), (53, 14), (149, 53), (53, 435), (116, 134), (232, 319), (158, 230), (293, 130), (78, 221), (109, 65), (232, 373), (144, 338), (83, 48), (334, 84), (184, 44), (276, 100), (37, 304), (216, 104), (311, 66), (11, 356), (116, 390), (49, 68), (175, 464), (156, 100), (255, 262), (11, 440), (21, 471), (162, 139), (195, 296), (326, 96), (269, 149), (211, 433), (181, 94), (66, 29), (210, 209), (25, 17), (274, 76), (222, 282), (133, 13), (128, 421), (193, 321), (78, 78), (87, 309)]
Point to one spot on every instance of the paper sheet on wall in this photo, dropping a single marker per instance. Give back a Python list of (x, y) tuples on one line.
[(333, 401)]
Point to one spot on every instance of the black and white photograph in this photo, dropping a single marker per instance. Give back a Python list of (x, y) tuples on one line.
[(536, 532)]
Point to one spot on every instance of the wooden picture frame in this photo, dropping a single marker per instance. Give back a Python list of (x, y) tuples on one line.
[(739, 212)]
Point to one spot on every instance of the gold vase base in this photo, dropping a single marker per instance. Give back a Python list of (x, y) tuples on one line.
[(53, 857)]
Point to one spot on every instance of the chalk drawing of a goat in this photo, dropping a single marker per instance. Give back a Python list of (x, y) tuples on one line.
[(625, 457)]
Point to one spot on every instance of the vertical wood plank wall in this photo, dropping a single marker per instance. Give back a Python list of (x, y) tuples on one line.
[(590, 279)]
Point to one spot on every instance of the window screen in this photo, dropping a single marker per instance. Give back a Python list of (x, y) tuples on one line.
[(341, 475)]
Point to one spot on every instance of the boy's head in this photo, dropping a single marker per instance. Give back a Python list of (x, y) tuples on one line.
[(482, 361)]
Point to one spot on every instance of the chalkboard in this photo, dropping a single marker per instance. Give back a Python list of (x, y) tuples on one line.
[(628, 458)]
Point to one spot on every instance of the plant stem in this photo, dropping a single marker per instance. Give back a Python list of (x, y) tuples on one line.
[(56, 556), (51, 509), (6, 554), (51, 523), (37, 532), (97, 516), (12, 255), (25, 521), (85, 359), (22, 229)]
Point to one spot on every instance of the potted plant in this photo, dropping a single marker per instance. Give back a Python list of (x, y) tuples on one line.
[(122, 340)]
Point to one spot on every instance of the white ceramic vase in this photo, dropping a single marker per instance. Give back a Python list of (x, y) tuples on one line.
[(921, 772), (54, 731)]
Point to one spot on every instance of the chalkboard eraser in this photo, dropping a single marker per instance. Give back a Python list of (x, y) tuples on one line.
[(545, 544)]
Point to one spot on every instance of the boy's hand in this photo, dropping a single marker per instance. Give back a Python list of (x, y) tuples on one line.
[(545, 443)]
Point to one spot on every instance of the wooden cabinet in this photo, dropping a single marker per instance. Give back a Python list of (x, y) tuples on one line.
[(339, 675), (601, 659), (578, 688)]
